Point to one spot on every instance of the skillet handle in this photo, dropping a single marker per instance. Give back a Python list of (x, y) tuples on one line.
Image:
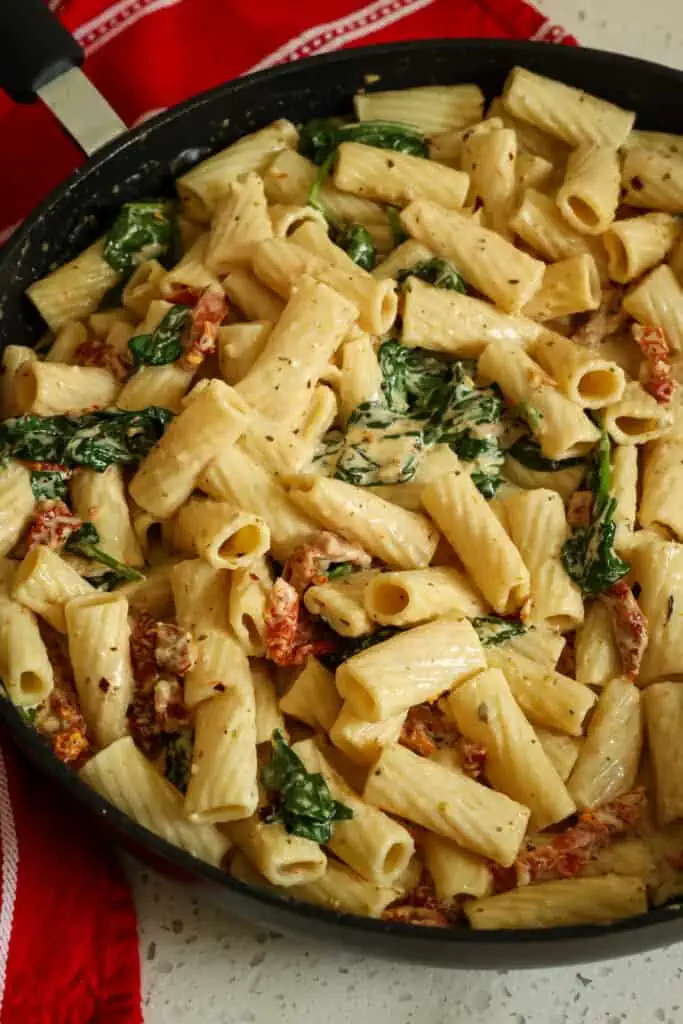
[(34, 48)]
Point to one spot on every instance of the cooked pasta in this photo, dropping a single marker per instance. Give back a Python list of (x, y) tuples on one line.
[(349, 534)]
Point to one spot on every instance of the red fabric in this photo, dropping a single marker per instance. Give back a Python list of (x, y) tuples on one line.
[(149, 54), (68, 943), (73, 955)]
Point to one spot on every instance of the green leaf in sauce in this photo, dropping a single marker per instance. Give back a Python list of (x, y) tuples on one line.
[(528, 453), (142, 231), (178, 748), (412, 378), (350, 647), (489, 458), (529, 414), (96, 440), (301, 800), (321, 137), (357, 243), (165, 343), (50, 484), (84, 542), (380, 447), (437, 272), (588, 555), (398, 232), (493, 630), (354, 239), (339, 570), (327, 451)]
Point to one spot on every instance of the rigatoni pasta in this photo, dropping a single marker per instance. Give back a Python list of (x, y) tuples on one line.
[(362, 552)]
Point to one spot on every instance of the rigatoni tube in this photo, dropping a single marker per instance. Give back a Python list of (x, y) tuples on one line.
[(452, 805), (486, 712), (479, 540), (416, 665), (509, 277)]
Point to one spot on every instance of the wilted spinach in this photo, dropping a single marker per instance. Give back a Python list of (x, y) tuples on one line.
[(85, 543), (528, 453), (437, 272), (142, 231), (319, 138), (350, 647), (165, 343), (96, 440), (380, 447), (301, 800), (493, 630), (178, 748), (588, 555), (50, 484)]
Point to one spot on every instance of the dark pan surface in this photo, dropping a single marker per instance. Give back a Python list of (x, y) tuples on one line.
[(145, 163)]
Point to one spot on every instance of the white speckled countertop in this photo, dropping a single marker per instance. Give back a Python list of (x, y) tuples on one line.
[(200, 966)]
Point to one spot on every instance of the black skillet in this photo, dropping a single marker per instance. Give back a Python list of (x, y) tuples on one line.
[(144, 162)]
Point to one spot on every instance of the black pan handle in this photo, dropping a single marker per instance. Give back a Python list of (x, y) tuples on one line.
[(34, 48)]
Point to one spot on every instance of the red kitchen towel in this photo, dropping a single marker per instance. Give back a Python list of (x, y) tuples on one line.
[(145, 55), (68, 935), (68, 943)]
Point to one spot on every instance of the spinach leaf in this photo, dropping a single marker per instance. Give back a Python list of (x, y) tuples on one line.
[(339, 570), (437, 272), (142, 231), (450, 406), (350, 647), (105, 582), (318, 138), (84, 542), (327, 452), (354, 239), (412, 378), (35, 438), (165, 343), (529, 414), (528, 453), (588, 555), (96, 440), (357, 242), (301, 799), (178, 748), (489, 457), (27, 714), (115, 436), (49, 484), (493, 630), (398, 233), (599, 476), (321, 136), (380, 447), (462, 406)]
